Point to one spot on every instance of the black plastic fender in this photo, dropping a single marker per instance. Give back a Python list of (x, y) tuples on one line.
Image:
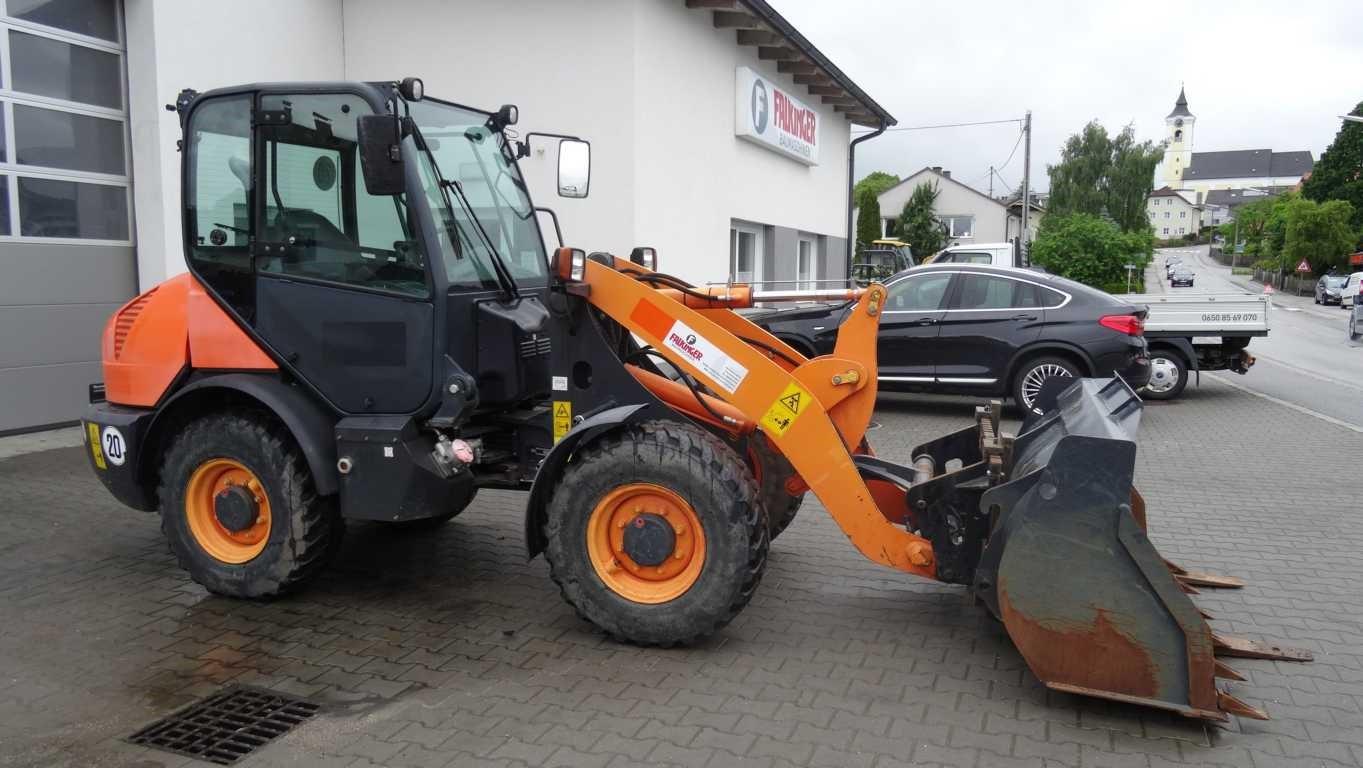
[(536, 507), (311, 423)]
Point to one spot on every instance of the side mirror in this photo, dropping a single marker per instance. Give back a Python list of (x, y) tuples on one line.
[(381, 155), (574, 168)]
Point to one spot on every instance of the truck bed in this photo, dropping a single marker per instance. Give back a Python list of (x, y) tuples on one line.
[(1204, 314)]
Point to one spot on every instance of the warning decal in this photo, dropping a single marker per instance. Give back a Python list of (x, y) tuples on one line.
[(98, 455), (721, 370), (785, 409), (563, 418)]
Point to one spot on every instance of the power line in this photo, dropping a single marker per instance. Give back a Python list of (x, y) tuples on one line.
[(1010, 154), (946, 125)]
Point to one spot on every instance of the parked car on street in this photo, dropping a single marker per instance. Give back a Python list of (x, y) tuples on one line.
[(984, 330), (1188, 333), (1180, 277), (996, 254), (1348, 292), (1327, 288)]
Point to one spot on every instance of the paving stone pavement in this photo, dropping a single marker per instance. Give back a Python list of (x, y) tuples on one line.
[(450, 649)]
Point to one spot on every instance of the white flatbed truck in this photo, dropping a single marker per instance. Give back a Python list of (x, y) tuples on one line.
[(1191, 333)]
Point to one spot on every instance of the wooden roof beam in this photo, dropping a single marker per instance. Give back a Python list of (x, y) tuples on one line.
[(777, 53), (710, 3), (827, 90), (817, 78), (736, 20), (758, 37), (797, 67), (840, 101)]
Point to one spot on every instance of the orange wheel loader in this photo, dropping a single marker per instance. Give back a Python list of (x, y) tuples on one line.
[(370, 329)]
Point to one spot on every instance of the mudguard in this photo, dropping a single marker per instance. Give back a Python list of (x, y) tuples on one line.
[(310, 423), (549, 471)]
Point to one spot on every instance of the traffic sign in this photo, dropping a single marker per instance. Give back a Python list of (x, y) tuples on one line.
[(1303, 267)]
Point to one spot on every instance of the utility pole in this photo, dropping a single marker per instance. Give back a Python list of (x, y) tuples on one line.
[(1026, 187), (991, 182)]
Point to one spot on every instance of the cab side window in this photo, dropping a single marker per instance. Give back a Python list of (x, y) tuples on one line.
[(218, 209), (921, 293), (317, 220)]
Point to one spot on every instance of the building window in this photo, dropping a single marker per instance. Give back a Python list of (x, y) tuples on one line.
[(745, 253), (1181, 230), (1183, 214), (64, 161), (1166, 214), (806, 262), (1166, 230), (959, 226)]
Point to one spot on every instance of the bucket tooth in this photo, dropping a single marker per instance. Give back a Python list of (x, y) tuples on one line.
[(1224, 672), (1229, 703), (1251, 649), (1204, 579)]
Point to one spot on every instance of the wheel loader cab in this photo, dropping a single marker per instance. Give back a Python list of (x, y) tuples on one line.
[(364, 280)]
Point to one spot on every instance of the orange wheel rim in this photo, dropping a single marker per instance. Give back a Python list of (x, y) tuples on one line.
[(212, 478), (645, 583)]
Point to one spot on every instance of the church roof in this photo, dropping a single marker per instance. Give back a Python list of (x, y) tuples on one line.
[(1180, 106), (1248, 164)]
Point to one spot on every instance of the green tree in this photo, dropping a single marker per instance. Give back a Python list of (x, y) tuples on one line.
[(877, 181), (868, 218), (1099, 175), (1320, 233), (918, 223), (1086, 248), (1339, 173)]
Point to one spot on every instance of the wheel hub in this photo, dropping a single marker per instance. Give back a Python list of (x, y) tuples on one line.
[(649, 540), (235, 508), (646, 543)]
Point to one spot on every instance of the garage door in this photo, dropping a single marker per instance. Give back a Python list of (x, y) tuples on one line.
[(66, 250)]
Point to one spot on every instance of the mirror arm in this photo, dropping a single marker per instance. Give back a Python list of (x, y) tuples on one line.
[(523, 146)]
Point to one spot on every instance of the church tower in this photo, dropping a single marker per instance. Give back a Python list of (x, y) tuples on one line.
[(1178, 153)]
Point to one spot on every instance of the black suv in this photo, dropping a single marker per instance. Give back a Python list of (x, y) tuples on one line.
[(983, 330)]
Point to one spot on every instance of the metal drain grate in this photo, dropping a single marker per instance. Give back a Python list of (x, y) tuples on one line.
[(228, 725)]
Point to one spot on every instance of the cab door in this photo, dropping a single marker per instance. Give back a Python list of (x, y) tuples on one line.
[(342, 292), (908, 346)]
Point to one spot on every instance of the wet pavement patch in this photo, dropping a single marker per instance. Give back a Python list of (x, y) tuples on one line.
[(228, 725)]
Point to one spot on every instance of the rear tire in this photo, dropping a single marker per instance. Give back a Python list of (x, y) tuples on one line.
[(303, 529), (708, 484), (771, 470), (1032, 373), (1172, 375)]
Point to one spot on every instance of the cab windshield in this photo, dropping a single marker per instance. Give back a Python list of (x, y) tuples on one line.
[(478, 162)]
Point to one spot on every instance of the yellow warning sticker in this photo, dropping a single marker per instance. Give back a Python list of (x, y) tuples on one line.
[(563, 418), (93, 431), (785, 409)]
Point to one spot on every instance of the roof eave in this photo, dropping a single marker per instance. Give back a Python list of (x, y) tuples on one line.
[(758, 24)]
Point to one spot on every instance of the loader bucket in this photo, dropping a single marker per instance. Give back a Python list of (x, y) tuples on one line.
[(1068, 569)]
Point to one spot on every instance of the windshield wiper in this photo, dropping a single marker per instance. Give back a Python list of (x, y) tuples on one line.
[(498, 265)]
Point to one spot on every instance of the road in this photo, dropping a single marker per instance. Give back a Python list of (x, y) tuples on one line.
[(1307, 360)]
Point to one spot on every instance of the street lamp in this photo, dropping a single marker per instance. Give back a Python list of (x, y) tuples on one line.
[(1352, 118)]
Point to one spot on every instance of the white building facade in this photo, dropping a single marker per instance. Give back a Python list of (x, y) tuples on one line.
[(1173, 213), (669, 93)]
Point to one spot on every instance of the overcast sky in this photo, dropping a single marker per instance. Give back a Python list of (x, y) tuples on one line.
[(1259, 74)]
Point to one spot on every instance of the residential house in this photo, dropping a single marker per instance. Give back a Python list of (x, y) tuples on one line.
[(970, 216), (1173, 213)]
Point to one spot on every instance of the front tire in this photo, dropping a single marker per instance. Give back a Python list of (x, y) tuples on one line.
[(699, 533), (1033, 373), (239, 508), (1168, 376)]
